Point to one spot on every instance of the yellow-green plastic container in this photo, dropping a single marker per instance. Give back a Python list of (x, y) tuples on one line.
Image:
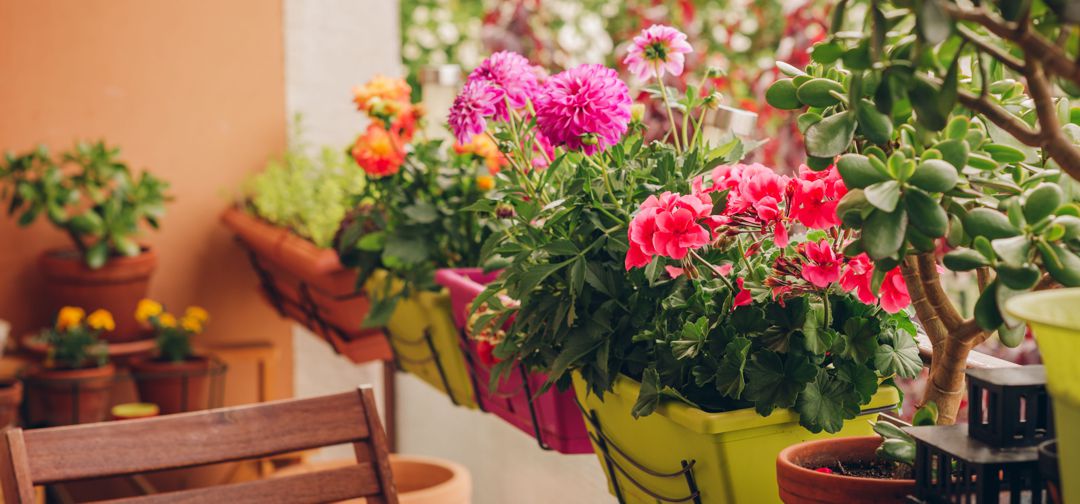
[(731, 457), (1054, 318), (417, 318)]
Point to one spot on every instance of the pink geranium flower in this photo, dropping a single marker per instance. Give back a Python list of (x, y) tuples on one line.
[(585, 108), (658, 49), (857, 277), (743, 297), (667, 226), (822, 265), (469, 113), (894, 293), (514, 75), (815, 196)]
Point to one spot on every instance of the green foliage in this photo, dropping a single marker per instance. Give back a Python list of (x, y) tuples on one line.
[(309, 195), (884, 94), (88, 193), (75, 347), (416, 221), (897, 445)]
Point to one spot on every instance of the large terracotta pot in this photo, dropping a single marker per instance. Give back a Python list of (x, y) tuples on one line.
[(309, 285), (10, 398), (117, 286), (419, 480), (175, 387), (70, 396), (801, 485)]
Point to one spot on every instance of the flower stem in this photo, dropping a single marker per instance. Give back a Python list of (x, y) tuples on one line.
[(667, 105), (607, 181)]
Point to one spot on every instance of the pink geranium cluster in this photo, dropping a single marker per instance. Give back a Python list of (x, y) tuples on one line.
[(761, 204)]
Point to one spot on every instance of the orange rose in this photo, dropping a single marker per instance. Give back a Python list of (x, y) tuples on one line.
[(378, 152)]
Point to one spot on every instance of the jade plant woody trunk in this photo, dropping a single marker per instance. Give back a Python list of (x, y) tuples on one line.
[(952, 126)]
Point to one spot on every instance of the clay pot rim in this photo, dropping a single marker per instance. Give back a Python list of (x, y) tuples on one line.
[(457, 472), (787, 454), (71, 254), (66, 264), (282, 246), (41, 373)]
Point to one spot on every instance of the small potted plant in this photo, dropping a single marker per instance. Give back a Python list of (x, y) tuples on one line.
[(175, 379), (287, 219), (95, 199), (74, 383), (413, 218)]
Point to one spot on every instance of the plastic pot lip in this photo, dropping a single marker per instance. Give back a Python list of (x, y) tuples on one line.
[(786, 462), (704, 422), (1037, 307)]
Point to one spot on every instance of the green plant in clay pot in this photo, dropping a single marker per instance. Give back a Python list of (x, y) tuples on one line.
[(688, 299), (74, 383), (953, 127), (176, 379), (94, 198)]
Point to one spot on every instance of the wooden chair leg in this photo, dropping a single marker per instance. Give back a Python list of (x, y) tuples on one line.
[(390, 403)]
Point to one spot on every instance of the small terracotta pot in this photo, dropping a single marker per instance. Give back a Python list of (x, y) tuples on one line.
[(175, 387), (117, 286), (419, 480), (10, 399), (71, 396), (800, 484)]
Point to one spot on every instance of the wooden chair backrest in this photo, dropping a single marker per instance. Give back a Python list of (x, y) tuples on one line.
[(58, 454)]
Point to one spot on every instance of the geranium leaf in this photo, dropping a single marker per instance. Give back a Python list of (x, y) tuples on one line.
[(775, 382), (825, 403), (901, 357), (730, 380)]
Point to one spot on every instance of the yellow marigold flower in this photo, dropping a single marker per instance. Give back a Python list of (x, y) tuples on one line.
[(381, 88), (197, 313), (167, 320), (146, 309), (69, 316), (101, 320), (485, 182), (191, 324)]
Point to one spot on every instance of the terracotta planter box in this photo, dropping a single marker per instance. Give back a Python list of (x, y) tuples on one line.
[(69, 396), (801, 484), (552, 418), (309, 285)]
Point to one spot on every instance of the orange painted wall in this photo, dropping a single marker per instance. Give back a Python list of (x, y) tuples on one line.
[(192, 90)]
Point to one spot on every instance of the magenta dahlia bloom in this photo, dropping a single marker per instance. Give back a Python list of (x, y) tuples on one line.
[(474, 104), (514, 75), (584, 108), (657, 46)]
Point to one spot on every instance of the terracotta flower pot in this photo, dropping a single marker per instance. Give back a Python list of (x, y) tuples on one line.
[(801, 484), (70, 396), (10, 399), (419, 480), (309, 284), (117, 286), (175, 387)]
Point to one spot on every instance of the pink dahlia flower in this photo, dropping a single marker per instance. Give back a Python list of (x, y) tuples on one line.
[(857, 277), (514, 75), (822, 265), (894, 293), (659, 49), (667, 226), (469, 113), (585, 108), (815, 196)]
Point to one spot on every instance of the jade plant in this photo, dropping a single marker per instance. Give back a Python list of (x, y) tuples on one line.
[(88, 193), (308, 194), (409, 218), (172, 334), (712, 283), (951, 125), (74, 340)]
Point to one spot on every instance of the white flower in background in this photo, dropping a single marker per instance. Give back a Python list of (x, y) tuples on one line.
[(448, 33)]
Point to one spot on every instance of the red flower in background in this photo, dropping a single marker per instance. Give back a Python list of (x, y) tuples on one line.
[(378, 152)]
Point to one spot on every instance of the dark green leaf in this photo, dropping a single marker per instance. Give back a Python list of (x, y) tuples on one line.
[(883, 195), (826, 403), (830, 136)]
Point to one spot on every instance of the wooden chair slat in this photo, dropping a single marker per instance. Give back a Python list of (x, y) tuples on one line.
[(189, 439), (323, 486)]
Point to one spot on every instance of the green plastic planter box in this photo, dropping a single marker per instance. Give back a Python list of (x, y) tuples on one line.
[(424, 339), (725, 458), (1054, 318)]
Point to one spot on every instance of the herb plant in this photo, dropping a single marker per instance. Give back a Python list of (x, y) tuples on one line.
[(88, 193)]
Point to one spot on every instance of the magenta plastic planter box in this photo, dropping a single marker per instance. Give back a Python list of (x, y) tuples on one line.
[(553, 418)]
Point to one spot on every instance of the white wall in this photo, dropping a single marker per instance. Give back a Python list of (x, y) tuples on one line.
[(330, 46)]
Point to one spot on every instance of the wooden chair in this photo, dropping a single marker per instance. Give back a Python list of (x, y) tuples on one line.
[(54, 455)]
